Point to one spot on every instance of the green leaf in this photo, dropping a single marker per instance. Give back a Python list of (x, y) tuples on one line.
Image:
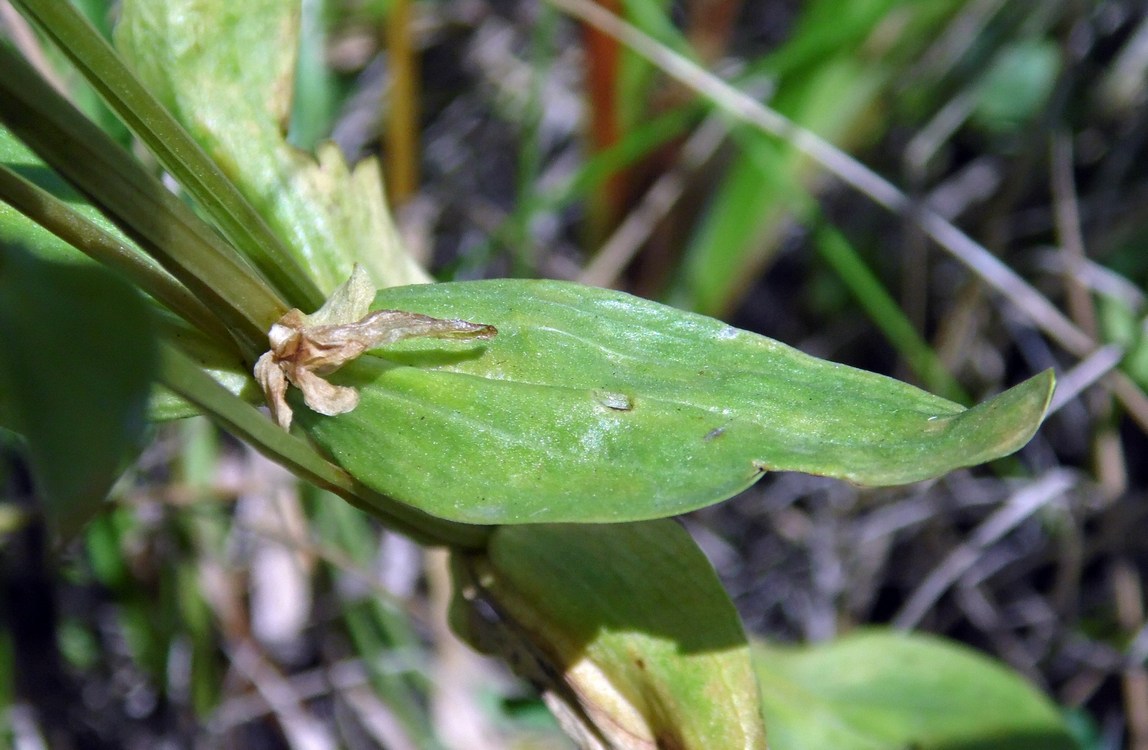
[(1017, 85), (626, 628), (141, 206), (593, 405), (233, 96), (44, 215), (881, 690), (78, 360), (200, 176)]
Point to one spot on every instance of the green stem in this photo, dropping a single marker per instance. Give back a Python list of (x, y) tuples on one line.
[(182, 376), (72, 227), (138, 203), (176, 150)]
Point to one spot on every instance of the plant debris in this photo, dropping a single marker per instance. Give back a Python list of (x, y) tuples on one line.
[(304, 347)]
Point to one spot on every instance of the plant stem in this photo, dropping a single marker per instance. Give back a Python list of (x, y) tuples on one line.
[(72, 227), (139, 204), (401, 147), (186, 379), (176, 150)]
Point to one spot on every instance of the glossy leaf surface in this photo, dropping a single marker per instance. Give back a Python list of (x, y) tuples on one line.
[(880, 690), (593, 405), (625, 627)]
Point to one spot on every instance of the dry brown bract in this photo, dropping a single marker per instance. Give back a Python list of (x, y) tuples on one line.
[(306, 347)]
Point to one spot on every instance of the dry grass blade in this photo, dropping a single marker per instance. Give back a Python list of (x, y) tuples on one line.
[(1019, 506), (1090, 370), (301, 729), (1066, 209)]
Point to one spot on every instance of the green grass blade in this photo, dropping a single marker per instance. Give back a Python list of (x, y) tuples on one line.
[(770, 185), (138, 203), (74, 228), (175, 149), (884, 311)]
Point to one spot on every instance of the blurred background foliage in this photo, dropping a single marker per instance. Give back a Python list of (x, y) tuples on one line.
[(220, 603)]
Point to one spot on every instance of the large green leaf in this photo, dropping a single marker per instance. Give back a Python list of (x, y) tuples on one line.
[(624, 627), (78, 359), (879, 690), (593, 405)]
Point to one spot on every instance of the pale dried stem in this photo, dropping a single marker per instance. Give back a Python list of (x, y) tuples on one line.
[(1016, 509), (1089, 371), (1066, 210), (301, 729), (1128, 591)]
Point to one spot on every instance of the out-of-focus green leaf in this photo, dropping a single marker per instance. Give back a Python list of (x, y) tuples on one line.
[(233, 95), (1120, 324), (1017, 85), (625, 627), (47, 217), (880, 690), (116, 250), (593, 405), (78, 360)]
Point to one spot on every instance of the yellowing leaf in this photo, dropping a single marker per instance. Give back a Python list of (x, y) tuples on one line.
[(625, 628)]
